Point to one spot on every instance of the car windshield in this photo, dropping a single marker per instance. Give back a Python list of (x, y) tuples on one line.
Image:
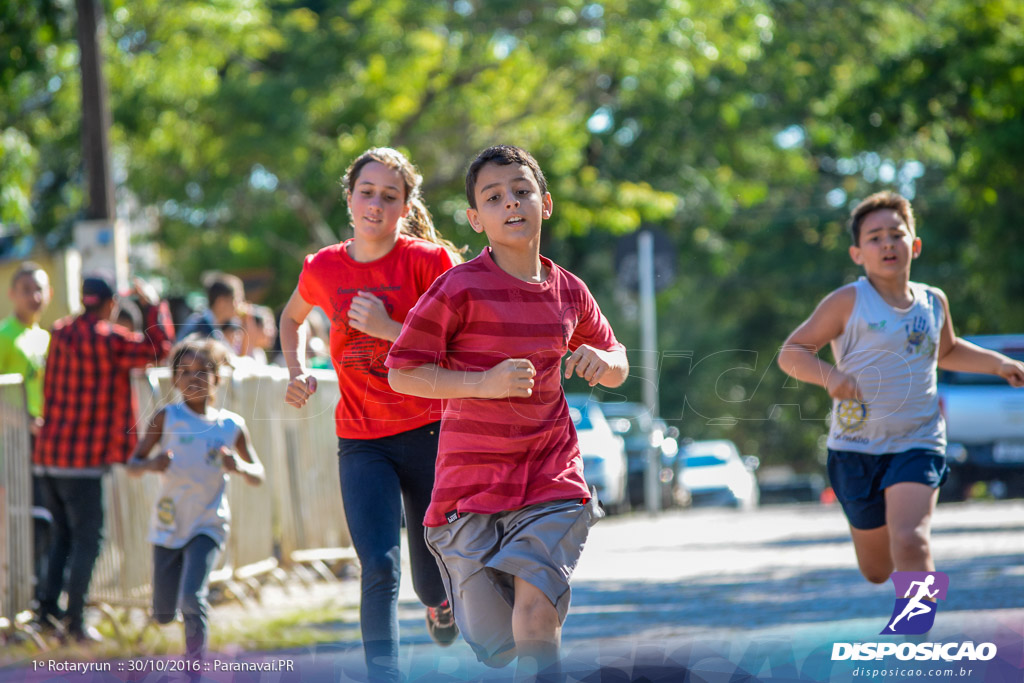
[(974, 378), (703, 460)]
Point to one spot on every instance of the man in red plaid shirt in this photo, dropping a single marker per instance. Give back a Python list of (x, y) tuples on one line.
[(89, 424)]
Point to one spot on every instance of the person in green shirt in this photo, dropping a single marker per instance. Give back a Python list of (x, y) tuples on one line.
[(23, 347), (23, 343)]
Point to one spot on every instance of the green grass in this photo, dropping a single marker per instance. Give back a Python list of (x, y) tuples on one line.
[(245, 631), (299, 628)]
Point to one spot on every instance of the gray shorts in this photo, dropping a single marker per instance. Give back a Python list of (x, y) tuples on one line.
[(479, 555)]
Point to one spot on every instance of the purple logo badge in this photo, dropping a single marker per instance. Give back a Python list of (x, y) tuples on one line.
[(917, 594)]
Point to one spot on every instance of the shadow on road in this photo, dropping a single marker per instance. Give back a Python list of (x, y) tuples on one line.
[(774, 597)]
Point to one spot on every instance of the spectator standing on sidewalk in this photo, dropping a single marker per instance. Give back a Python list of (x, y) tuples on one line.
[(259, 332), (89, 424), (23, 346), (225, 296)]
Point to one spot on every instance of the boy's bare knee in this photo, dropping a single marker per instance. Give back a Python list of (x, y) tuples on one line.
[(909, 546), (535, 620), (875, 575), (875, 569)]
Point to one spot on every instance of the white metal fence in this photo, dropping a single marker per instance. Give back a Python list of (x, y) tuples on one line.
[(15, 499), (297, 509)]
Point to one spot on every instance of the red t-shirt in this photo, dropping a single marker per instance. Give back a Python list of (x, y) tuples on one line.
[(497, 455), (330, 278)]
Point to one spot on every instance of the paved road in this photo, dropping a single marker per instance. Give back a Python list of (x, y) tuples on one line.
[(721, 595), (784, 576), (704, 572), (713, 588)]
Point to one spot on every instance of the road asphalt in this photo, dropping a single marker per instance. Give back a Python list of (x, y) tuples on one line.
[(708, 595)]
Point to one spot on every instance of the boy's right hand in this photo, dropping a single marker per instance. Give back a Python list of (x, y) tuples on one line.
[(161, 462), (843, 387), (299, 390), (512, 377), (1013, 372)]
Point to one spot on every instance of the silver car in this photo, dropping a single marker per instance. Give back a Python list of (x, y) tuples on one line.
[(984, 427), (603, 451)]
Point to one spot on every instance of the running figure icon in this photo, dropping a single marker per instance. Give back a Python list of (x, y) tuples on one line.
[(915, 607)]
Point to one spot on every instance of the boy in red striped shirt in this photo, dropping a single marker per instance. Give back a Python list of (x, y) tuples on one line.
[(510, 510)]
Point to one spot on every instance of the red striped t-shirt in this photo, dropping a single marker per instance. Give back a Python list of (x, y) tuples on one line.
[(503, 454)]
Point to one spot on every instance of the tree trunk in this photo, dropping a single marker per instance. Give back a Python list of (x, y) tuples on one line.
[(95, 114)]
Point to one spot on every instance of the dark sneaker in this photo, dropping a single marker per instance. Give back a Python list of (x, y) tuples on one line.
[(49, 624), (441, 624), (45, 628)]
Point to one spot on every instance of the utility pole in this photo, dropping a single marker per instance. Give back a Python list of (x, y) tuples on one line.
[(649, 348), (644, 261), (101, 239), (95, 114)]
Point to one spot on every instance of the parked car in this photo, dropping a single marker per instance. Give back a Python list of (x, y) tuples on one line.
[(644, 436), (603, 451), (714, 473), (781, 485), (984, 426)]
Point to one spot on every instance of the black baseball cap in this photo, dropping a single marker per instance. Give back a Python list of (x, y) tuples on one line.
[(96, 288)]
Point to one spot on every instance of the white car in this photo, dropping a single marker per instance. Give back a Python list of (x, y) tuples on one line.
[(984, 426), (715, 474), (603, 451)]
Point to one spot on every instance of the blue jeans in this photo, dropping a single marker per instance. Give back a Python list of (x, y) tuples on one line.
[(377, 476), (76, 504), (184, 573)]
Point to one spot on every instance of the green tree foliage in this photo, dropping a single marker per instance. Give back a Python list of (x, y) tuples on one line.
[(40, 158), (955, 100)]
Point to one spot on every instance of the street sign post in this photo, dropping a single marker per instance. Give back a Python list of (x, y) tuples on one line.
[(645, 262)]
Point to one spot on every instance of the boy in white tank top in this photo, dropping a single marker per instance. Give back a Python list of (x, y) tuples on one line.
[(887, 440)]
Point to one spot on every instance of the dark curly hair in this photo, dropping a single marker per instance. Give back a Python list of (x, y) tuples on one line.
[(211, 352)]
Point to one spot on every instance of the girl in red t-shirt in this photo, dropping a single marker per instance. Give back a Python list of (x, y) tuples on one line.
[(387, 442)]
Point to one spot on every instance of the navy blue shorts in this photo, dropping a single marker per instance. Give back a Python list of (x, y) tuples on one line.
[(860, 479)]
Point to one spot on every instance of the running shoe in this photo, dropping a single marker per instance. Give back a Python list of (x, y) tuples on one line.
[(441, 624)]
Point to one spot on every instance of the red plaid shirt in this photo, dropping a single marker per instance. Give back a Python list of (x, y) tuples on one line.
[(88, 406)]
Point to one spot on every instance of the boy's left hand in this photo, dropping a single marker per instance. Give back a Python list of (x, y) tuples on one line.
[(1013, 372), (589, 363)]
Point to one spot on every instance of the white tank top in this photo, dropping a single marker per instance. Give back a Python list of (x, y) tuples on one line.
[(892, 353), (191, 499)]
